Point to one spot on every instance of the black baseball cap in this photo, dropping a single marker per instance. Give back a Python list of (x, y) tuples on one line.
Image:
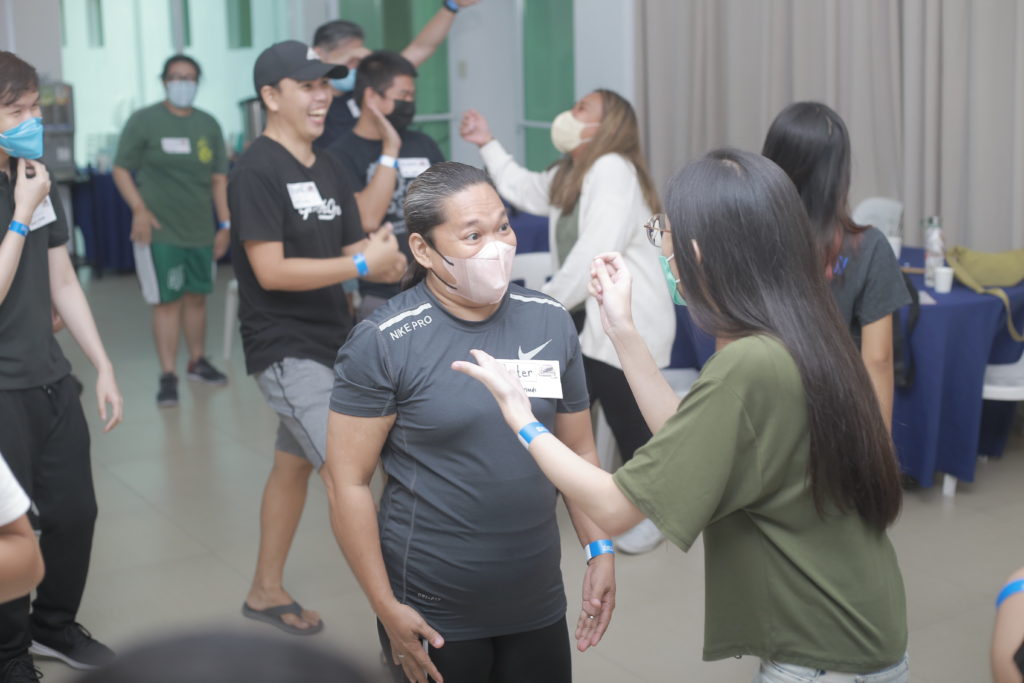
[(292, 59)]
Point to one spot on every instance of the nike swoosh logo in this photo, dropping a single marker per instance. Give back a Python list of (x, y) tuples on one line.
[(531, 354)]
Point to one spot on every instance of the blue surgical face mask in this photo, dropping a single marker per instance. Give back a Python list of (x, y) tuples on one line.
[(671, 281), (181, 93), (346, 84), (25, 140)]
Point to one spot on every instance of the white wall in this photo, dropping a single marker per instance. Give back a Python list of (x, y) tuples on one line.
[(605, 46), (31, 29)]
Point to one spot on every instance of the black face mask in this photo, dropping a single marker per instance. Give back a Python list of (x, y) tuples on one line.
[(401, 116)]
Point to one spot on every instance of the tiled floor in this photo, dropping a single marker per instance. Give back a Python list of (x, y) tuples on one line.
[(179, 492)]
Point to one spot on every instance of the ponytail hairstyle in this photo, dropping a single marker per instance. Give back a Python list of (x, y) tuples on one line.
[(809, 141), (759, 272), (426, 200)]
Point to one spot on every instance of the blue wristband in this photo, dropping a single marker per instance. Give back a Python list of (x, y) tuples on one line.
[(451, 6), (361, 266), (19, 228), (1008, 590), (602, 547), (530, 432), (224, 225)]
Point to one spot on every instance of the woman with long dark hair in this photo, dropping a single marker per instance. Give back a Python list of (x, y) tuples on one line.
[(594, 196), (461, 563), (809, 141), (778, 454)]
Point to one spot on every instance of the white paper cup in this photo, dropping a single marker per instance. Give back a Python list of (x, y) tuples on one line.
[(897, 245), (943, 279)]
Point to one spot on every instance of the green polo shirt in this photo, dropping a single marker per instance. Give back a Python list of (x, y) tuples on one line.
[(174, 159), (782, 582)]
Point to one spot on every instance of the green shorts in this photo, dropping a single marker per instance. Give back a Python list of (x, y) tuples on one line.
[(166, 271)]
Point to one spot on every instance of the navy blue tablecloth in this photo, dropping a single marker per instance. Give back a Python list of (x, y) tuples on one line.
[(106, 222)]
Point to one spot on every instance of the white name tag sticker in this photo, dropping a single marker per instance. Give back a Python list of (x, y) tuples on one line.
[(176, 145), (410, 167), (304, 195), (540, 378), (43, 215)]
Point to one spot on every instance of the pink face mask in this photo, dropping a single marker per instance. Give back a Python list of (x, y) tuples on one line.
[(483, 277)]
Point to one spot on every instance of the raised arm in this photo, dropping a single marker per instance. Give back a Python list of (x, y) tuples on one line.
[(432, 34), (28, 192), (353, 449), (374, 199), (527, 190)]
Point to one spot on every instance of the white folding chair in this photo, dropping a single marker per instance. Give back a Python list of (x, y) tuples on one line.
[(532, 268), (883, 213)]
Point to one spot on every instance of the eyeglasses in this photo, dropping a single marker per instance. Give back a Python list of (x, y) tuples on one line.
[(655, 227)]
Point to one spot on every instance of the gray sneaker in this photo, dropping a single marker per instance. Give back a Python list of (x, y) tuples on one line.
[(167, 397)]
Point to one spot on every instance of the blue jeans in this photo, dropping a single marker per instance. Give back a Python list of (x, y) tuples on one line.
[(778, 672)]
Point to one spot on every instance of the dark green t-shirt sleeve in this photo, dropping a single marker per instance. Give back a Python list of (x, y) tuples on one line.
[(220, 153), (132, 143), (884, 289), (362, 384), (700, 466)]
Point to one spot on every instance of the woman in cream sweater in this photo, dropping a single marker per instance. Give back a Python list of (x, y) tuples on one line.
[(597, 198)]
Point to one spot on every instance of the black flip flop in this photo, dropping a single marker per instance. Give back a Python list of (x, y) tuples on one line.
[(272, 616)]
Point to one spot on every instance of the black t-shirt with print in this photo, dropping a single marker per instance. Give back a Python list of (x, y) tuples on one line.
[(29, 354), (270, 195), (359, 156)]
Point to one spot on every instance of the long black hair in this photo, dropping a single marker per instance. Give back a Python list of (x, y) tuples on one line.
[(809, 141), (759, 273), (426, 199)]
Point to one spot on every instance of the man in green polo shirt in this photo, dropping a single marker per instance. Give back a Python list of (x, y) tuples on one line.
[(177, 155)]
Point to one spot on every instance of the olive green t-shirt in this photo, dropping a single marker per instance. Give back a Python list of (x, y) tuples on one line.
[(782, 582), (174, 158)]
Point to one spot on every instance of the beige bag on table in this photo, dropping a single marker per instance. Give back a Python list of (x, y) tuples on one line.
[(987, 273)]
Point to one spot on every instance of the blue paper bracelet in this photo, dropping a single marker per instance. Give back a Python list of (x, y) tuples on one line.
[(361, 266), (451, 5), (602, 547), (530, 432), (19, 228), (224, 225), (1008, 590)]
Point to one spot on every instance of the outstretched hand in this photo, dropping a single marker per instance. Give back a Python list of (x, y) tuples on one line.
[(503, 385), (612, 285)]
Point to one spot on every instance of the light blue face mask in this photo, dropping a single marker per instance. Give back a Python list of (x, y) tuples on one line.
[(181, 93), (671, 280), (25, 140), (346, 84)]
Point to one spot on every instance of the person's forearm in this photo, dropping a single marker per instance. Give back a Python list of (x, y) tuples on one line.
[(21, 563), (129, 191), (10, 255), (304, 274), (654, 395), (374, 199), (354, 522), (71, 305), (432, 35), (587, 530), (881, 373), (219, 189)]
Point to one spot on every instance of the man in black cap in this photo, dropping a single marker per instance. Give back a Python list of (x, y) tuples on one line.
[(297, 236)]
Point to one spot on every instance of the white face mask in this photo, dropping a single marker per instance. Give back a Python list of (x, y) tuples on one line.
[(181, 93), (567, 132), (483, 277)]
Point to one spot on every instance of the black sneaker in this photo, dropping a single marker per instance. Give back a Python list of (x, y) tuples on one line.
[(20, 669), (202, 371), (75, 646), (167, 397)]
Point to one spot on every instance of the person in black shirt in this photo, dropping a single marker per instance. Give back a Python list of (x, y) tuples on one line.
[(342, 42), (383, 155), (297, 236), (43, 433)]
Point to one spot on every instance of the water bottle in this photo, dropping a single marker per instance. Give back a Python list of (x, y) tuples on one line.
[(934, 249)]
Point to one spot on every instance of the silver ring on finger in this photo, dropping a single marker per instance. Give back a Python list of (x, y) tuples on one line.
[(591, 616), (401, 656)]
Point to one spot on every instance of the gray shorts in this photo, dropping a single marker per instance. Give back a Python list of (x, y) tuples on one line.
[(299, 391)]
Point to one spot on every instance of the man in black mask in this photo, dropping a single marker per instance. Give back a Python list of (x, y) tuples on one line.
[(383, 155)]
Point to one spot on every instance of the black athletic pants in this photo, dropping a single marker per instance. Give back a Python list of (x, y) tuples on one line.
[(608, 386), (540, 656), (45, 441)]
